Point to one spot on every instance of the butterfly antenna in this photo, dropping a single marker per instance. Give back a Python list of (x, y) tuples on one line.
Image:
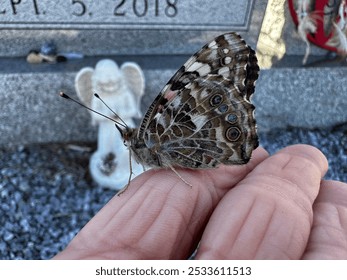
[(62, 94), (108, 107)]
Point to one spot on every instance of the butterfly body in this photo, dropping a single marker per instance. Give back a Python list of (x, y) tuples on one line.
[(203, 117)]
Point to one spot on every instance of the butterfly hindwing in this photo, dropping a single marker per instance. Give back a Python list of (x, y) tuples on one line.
[(205, 125)]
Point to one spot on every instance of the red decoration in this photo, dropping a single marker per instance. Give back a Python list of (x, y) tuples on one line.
[(321, 22)]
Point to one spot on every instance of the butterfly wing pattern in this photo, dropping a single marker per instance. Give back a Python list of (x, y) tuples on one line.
[(203, 117)]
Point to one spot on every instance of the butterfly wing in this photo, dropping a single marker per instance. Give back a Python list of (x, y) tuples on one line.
[(203, 116)]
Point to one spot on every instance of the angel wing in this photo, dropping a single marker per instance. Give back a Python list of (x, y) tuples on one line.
[(135, 81), (83, 85)]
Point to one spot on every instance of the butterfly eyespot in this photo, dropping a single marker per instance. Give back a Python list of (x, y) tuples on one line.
[(223, 108), (233, 134), (232, 118), (216, 100)]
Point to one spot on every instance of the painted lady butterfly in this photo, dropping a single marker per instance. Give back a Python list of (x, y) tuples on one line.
[(203, 117)]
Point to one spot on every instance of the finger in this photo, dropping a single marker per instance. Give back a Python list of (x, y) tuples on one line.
[(159, 216), (328, 239), (268, 214)]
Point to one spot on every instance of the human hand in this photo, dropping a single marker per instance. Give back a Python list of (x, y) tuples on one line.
[(274, 207)]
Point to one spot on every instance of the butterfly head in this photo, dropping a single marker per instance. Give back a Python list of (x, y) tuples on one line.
[(126, 133)]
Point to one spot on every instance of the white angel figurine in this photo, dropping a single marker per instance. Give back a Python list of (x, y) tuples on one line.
[(121, 89)]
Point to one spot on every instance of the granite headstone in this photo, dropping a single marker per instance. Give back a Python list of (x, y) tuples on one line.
[(158, 35)]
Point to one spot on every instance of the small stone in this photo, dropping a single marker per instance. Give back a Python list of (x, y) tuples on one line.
[(25, 225), (7, 236)]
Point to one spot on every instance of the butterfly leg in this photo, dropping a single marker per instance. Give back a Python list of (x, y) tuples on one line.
[(179, 176), (125, 187), (130, 175)]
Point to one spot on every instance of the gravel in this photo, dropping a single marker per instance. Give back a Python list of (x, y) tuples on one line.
[(47, 194), (46, 197)]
